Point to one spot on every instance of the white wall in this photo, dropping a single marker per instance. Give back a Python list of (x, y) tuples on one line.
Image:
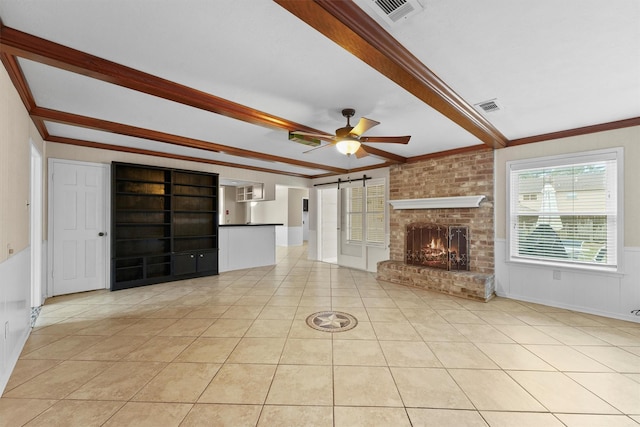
[(612, 295), (272, 211), (246, 247), (15, 311), (294, 216), (602, 294), (328, 224), (286, 209), (312, 226)]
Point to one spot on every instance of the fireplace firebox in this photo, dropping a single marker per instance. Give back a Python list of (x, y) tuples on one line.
[(437, 246)]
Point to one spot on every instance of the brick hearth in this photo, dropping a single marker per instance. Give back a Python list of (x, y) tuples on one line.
[(465, 284)]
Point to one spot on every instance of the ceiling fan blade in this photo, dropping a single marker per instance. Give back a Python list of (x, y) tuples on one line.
[(362, 152), (363, 125), (386, 139), (318, 147)]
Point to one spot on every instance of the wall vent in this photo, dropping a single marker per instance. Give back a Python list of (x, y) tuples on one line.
[(396, 11), (488, 106)]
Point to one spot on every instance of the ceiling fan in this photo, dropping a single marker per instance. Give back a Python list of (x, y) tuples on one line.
[(348, 139)]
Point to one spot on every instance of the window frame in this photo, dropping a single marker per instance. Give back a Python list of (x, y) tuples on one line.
[(566, 160)]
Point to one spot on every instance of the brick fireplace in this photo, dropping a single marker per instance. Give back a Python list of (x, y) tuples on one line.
[(445, 177)]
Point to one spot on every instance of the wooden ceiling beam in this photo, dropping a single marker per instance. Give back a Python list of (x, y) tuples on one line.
[(19, 82), (133, 131), (30, 47), (18, 43), (347, 25), (392, 158)]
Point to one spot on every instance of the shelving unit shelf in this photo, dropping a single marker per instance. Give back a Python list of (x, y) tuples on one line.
[(164, 225)]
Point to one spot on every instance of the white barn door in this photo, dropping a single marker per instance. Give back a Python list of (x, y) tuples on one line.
[(352, 252), (78, 226)]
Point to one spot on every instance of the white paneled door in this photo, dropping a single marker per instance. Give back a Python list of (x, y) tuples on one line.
[(79, 226)]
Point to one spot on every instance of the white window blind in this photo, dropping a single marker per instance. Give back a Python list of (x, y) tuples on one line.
[(566, 210), (366, 214), (375, 214), (355, 213)]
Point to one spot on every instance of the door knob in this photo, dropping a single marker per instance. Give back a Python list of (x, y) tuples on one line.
[(101, 234)]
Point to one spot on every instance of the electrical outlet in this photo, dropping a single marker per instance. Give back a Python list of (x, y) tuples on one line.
[(557, 275)]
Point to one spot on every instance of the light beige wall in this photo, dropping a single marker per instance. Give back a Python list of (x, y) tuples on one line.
[(273, 211), (40, 145), (294, 215), (16, 129), (237, 210), (628, 138), (70, 152)]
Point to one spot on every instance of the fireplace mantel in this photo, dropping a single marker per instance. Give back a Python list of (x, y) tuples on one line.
[(438, 202)]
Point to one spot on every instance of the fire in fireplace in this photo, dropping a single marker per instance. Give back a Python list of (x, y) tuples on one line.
[(438, 246)]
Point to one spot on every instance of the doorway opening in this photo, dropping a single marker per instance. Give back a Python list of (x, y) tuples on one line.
[(328, 225)]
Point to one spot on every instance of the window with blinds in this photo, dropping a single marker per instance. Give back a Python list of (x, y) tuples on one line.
[(366, 214), (375, 214), (355, 213), (567, 210)]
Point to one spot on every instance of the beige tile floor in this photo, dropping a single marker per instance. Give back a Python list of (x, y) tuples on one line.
[(235, 350)]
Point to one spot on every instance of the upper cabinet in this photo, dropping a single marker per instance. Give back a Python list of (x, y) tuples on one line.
[(250, 193)]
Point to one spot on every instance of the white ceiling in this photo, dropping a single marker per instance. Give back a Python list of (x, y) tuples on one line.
[(551, 65)]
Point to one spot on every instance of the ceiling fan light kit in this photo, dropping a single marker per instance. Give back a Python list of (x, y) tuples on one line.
[(348, 146)]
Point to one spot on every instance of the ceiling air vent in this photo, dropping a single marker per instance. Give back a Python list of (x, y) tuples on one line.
[(488, 106), (395, 11)]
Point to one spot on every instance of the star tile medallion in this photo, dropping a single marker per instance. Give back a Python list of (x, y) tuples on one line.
[(332, 321)]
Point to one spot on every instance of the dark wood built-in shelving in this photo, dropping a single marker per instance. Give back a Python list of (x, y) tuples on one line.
[(165, 225)]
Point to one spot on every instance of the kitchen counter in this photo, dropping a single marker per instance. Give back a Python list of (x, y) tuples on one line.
[(246, 246)]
